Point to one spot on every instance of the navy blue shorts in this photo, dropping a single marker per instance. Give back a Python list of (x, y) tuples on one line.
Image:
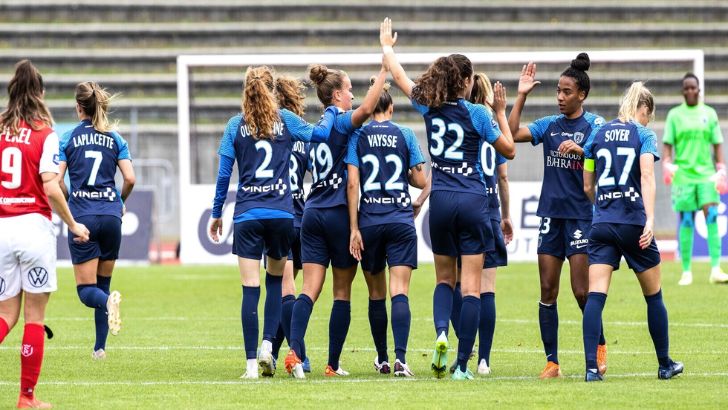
[(272, 236), (609, 242), (459, 224), (325, 237), (499, 256), (392, 244), (563, 237), (295, 253), (104, 240)]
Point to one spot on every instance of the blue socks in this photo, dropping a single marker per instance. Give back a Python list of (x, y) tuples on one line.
[(457, 304), (92, 296), (487, 325), (338, 328), (249, 317), (657, 322), (378, 326), (299, 323), (272, 312), (548, 320), (401, 319), (469, 320), (284, 329), (100, 316), (591, 327), (441, 307)]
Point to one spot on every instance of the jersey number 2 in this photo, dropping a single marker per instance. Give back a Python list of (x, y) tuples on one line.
[(606, 179)]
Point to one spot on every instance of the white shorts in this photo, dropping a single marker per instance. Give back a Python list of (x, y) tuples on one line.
[(27, 255)]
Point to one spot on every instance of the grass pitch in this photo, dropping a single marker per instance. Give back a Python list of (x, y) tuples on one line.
[(181, 347)]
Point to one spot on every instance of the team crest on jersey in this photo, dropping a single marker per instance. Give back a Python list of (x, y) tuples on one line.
[(599, 121), (38, 277), (578, 137), (27, 350), (2, 286)]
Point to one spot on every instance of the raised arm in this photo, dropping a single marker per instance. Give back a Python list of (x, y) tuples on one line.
[(647, 169), (387, 40), (526, 83), (504, 144), (365, 110)]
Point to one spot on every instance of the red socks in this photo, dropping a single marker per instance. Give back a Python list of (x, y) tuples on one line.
[(3, 329), (31, 357)]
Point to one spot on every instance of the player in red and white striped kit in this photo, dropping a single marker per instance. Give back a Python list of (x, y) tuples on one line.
[(28, 183)]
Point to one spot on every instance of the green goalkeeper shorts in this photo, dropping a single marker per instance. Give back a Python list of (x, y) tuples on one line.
[(692, 197)]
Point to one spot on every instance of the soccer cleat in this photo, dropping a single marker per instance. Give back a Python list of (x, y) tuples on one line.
[(382, 367), (98, 354), (32, 403), (670, 371), (454, 364), (267, 363), (483, 367), (551, 371), (330, 372), (112, 307), (593, 375), (306, 365), (686, 278), (402, 370), (718, 276), (462, 375), (250, 375), (291, 361), (602, 358), (439, 356)]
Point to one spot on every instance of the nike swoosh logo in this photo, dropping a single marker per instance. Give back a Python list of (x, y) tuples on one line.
[(579, 247), (553, 134)]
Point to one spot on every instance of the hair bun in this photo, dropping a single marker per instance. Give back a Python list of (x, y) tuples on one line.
[(385, 87), (318, 73), (581, 62)]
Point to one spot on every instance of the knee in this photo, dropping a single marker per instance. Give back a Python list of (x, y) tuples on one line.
[(580, 297), (549, 293), (712, 215), (686, 220)]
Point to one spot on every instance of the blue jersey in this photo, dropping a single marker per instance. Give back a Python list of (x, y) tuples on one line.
[(384, 152), (92, 158), (490, 159), (616, 148), (327, 165), (562, 191), (263, 164), (455, 132), (298, 165)]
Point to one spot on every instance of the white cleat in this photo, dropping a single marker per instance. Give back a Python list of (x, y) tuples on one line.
[(250, 375), (98, 355), (297, 371), (718, 276), (483, 367), (686, 279), (267, 363), (114, 312), (402, 370)]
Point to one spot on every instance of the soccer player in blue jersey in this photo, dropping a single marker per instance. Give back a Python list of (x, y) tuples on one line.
[(325, 224), (91, 152), (384, 158), (620, 161), (564, 209), (260, 140), (459, 220)]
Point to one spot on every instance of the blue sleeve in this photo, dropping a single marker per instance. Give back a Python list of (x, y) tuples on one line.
[(648, 141), (303, 131), (422, 109), (500, 159), (352, 158), (588, 154), (415, 154), (596, 121), (483, 122), (123, 146), (63, 143), (539, 127), (227, 146), (222, 184), (343, 122)]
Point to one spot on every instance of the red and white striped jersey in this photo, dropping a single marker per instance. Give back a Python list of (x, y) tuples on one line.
[(23, 157)]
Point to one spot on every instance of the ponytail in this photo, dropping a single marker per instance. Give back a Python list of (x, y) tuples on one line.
[(260, 108), (25, 100), (636, 96), (482, 92), (385, 99), (94, 101), (290, 92)]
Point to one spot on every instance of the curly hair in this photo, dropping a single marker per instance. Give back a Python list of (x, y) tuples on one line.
[(290, 92), (94, 101), (443, 81), (25, 100), (482, 92), (326, 82), (260, 108)]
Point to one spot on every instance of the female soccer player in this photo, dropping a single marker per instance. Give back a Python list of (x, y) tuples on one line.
[(692, 128), (620, 158), (459, 221), (92, 151), (385, 158), (325, 224), (28, 182), (565, 211), (260, 140)]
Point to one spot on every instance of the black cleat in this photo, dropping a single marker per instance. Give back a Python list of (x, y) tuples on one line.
[(670, 371), (593, 376)]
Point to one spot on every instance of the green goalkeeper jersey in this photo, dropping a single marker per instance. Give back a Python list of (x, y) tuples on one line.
[(692, 131)]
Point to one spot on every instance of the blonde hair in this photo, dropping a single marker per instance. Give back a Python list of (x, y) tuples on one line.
[(25, 100), (260, 108), (290, 91), (636, 96), (482, 92), (94, 101)]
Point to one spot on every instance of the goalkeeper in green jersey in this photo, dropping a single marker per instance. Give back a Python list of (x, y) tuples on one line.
[(697, 173)]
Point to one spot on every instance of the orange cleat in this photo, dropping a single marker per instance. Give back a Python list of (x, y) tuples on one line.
[(291, 361), (551, 371), (602, 359), (330, 372), (32, 403)]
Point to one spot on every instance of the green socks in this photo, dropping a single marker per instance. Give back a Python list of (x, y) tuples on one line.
[(686, 244)]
